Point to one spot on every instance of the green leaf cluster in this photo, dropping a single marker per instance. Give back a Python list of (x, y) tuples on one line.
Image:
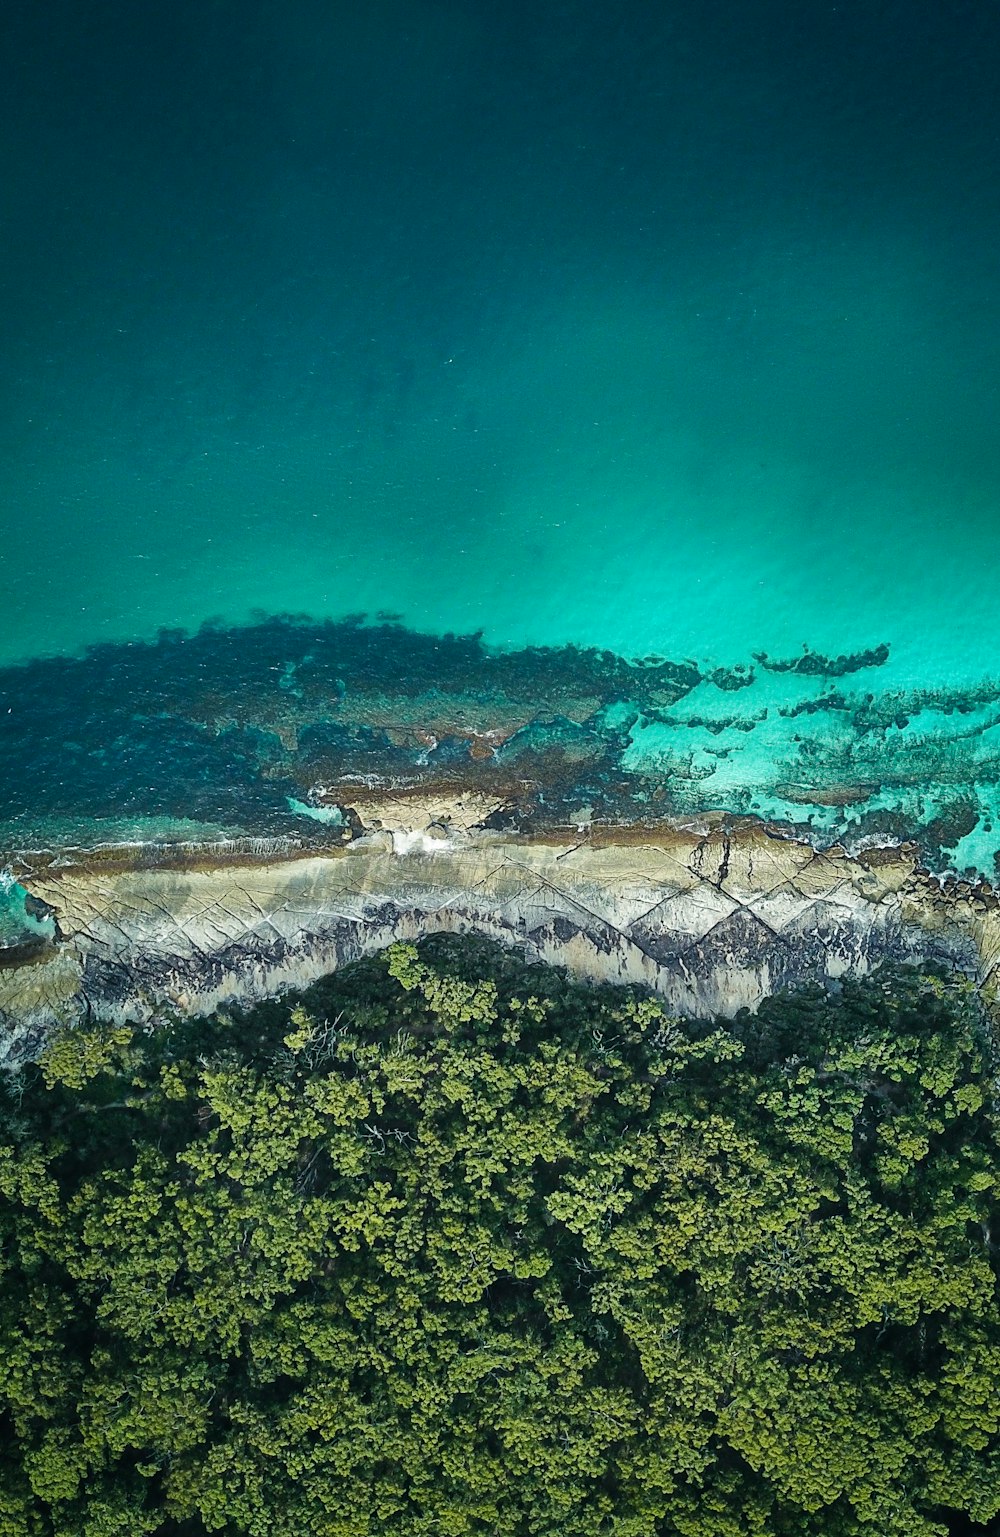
[(452, 1247)]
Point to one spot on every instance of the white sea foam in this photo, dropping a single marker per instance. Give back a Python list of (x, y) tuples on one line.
[(410, 842)]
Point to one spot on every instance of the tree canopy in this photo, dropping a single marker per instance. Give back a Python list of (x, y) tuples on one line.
[(453, 1247)]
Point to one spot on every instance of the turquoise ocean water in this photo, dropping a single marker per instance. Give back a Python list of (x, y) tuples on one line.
[(659, 327)]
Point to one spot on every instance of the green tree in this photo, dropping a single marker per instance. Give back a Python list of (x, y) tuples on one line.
[(453, 1245)]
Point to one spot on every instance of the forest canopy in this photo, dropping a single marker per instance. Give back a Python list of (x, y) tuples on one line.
[(450, 1246)]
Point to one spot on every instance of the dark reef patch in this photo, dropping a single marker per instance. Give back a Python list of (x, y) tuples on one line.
[(815, 664), (729, 679), (225, 726)]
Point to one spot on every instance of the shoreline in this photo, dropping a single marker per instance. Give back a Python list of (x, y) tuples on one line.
[(213, 817), (712, 915)]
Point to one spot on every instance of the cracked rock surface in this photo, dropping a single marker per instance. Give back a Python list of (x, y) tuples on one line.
[(713, 916)]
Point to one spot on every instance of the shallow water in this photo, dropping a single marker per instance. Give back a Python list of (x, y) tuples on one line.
[(666, 329)]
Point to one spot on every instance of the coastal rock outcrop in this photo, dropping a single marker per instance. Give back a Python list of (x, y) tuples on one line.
[(713, 914)]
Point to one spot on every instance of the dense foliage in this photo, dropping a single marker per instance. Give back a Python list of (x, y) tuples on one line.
[(455, 1247)]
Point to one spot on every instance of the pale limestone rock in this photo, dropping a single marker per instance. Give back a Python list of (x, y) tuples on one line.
[(713, 917), (403, 811)]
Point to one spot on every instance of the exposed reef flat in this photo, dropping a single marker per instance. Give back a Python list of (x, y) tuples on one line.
[(713, 916)]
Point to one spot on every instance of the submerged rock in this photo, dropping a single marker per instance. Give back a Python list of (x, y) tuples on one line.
[(255, 731)]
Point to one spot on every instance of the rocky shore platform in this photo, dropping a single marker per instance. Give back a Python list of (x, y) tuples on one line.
[(713, 914)]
